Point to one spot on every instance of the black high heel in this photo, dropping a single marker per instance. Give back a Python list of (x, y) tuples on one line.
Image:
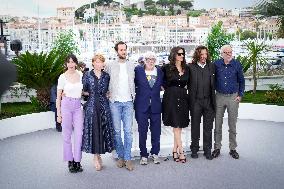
[(176, 159), (182, 160)]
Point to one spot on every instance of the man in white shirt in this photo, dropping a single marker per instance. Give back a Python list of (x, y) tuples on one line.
[(122, 92)]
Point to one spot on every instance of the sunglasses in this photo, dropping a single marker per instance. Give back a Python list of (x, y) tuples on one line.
[(179, 54), (150, 59)]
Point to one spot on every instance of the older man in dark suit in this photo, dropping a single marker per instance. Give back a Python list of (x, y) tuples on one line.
[(147, 105)]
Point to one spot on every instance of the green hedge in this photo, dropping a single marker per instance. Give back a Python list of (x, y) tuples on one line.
[(261, 97), (16, 109)]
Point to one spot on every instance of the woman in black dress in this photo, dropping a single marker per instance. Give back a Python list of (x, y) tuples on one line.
[(175, 100), (98, 129)]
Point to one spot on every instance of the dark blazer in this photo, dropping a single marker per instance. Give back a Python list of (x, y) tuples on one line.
[(145, 95), (192, 86)]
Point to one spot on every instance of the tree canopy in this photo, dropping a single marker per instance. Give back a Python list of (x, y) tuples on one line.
[(273, 8), (216, 39)]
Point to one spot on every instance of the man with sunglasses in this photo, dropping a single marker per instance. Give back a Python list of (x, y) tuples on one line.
[(230, 85)]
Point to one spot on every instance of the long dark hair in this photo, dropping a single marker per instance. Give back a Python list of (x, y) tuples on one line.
[(172, 57), (197, 53)]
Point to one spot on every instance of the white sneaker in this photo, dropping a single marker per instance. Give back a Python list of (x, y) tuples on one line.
[(155, 158), (143, 161)]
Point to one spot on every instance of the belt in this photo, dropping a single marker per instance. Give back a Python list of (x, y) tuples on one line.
[(71, 98), (228, 94)]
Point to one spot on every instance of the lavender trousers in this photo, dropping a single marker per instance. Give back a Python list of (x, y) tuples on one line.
[(72, 117)]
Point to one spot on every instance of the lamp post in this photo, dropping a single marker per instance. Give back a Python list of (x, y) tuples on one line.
[(3, 38), (16, 46)]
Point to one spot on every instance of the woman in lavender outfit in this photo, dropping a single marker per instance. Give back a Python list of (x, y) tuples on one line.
[(70, 113)]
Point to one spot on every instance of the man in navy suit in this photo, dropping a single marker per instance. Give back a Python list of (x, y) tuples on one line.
[(147, 105)]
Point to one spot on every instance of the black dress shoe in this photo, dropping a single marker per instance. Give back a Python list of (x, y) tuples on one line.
[(208, 155), (234, 154), (216, 153), (78, 167), (194, 155), (71, 167)]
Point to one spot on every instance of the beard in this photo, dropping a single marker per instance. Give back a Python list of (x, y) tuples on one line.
[(123, 57)]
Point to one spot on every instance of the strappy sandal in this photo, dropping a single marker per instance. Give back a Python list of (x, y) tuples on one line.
[(176, 159), (182, 160), (97, 164), (100, 160)]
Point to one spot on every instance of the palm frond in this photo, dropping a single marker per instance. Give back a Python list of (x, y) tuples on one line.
[(38, 70)]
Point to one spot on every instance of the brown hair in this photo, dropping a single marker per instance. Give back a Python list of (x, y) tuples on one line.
[(81, 64), (197, 54), (119, 43)]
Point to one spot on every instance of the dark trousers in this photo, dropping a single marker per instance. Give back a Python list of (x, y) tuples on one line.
[(142, 119), (202, 107), (53, 108)]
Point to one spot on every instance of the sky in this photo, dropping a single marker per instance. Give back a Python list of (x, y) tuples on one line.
[(47, 8)]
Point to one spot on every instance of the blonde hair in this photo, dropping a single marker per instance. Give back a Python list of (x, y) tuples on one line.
[(98, 56)]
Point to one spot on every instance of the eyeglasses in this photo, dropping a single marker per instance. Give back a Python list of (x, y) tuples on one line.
[(150, 59), (179, 54), (228, 52)]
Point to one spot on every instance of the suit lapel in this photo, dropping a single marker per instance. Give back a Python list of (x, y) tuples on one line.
[(158, 77), (195, 75), (211, 74), (143, 76)]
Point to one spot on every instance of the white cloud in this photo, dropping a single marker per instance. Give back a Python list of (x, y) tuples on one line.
[(199, 4), (61, 3)]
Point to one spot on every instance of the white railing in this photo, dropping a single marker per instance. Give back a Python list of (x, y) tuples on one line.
[(263, 82), (19, 93)]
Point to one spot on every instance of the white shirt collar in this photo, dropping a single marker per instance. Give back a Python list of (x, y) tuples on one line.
[(201, 65)]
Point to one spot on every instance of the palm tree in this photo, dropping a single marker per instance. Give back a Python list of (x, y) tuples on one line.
[(254, 59), (244, 60), (40, 72)]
